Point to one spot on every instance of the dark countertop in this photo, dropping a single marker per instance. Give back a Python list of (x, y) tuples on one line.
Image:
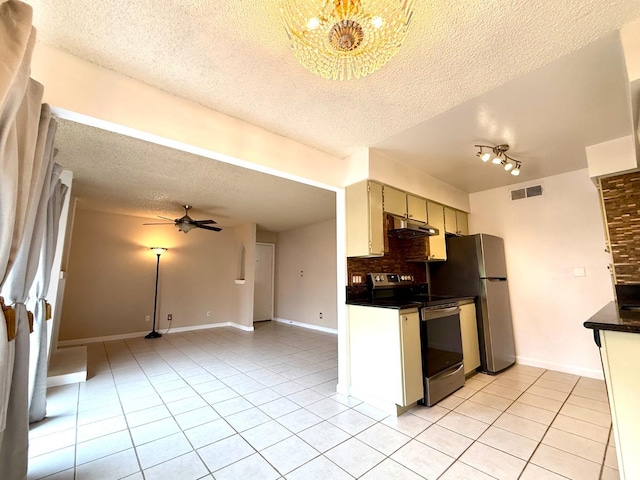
[(417, 301), (625, 318)]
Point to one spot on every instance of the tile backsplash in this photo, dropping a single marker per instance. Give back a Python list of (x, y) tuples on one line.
[(621, 197), (394, 261)]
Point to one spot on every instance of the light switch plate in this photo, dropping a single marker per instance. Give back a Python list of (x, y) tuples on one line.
[(579, 272)]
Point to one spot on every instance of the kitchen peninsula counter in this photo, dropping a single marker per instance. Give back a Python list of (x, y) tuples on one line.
[(614, 330), (616, 318)]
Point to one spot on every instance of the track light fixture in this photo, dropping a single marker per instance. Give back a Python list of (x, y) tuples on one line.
[(498, 156)]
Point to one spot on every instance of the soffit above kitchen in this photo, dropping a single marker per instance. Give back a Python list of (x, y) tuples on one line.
[(119, 174), (235, 58), (547, 118)]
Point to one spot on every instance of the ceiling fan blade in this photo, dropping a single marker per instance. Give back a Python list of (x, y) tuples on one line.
[(166, 218), (215, 229), (204, 222), (163, 223)]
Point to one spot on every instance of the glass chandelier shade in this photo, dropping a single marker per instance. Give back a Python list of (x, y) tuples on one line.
[(344, 39)]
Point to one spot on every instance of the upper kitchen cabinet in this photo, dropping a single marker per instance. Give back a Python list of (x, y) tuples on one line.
[(365, 220), (462, 220), (394, 201), (416, 208), (437, 245), (455, 222), (402, 204)]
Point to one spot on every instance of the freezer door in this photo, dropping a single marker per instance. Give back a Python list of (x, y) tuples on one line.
[(492, 263), (497, 328)]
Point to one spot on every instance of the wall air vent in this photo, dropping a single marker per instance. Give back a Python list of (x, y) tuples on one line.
[(534, 191), (520, 193)]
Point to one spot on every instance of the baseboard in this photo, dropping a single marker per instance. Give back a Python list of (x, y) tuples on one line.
[(310, 326), (124, 336), (559, 367)]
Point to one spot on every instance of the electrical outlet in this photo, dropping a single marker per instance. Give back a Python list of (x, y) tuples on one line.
[(147, 318), (170, 317), (208, 313), (321, 315)]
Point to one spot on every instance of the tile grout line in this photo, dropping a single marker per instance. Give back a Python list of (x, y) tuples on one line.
[(221, 416)]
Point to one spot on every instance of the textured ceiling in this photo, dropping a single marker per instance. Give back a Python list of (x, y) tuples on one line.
[(119, 174), (234, 58)]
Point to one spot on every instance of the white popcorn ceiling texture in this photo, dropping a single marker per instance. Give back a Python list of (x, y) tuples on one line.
[(234, 57), (119, 174)]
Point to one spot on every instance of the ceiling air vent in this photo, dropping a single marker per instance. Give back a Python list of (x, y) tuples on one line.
[(533, 191)]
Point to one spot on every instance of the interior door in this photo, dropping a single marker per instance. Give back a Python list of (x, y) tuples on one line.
[(263, 287)]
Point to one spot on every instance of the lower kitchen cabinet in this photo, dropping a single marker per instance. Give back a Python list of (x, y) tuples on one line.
[(386, 361), (469, 332)]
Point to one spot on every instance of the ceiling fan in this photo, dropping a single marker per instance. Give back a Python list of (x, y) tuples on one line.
[(186, 223)]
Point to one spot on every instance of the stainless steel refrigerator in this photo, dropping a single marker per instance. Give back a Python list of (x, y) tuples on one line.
[(476, 267)]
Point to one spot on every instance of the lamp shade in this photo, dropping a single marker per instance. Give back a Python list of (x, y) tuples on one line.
[(158, 250)]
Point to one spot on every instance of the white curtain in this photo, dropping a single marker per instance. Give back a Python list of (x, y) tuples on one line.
[(37, 299), (17, 38), (26, 161), (14, 446)]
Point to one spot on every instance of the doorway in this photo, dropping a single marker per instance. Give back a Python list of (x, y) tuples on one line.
[(264, 280)]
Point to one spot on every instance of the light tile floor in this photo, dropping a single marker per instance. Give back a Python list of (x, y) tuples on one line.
[(227, 404)]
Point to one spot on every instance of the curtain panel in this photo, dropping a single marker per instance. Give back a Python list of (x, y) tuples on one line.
[(17, 38), (26, 165), (37, 298)]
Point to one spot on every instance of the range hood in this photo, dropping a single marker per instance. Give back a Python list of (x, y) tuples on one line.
[(407, 228)]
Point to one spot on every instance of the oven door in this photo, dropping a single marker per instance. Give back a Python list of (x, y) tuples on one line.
[(440, 338)]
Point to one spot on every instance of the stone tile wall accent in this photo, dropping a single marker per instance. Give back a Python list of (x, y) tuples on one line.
[(621, 195)]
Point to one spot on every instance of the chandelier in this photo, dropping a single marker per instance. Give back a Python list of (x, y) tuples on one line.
[(498, 156), (343, 39)]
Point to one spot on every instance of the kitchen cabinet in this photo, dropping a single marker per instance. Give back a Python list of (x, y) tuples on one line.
[(455, 222), (386, 361), (402, 204), (621, 366), (437, 245), (365, 220), (395, 201), (416, 208), (469, 332)]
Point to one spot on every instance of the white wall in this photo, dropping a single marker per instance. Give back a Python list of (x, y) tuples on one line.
[(243, 293), (545, 238), (300, 297), (111, 276)]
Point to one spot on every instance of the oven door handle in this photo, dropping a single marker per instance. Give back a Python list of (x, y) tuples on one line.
[(432, 314), (449, 371)]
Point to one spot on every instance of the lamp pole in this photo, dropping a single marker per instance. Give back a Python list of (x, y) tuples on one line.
[(153, 334)]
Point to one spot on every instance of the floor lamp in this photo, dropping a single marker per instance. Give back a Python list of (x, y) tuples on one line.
[(153, 334)]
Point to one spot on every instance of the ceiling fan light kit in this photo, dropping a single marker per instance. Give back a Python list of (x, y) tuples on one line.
[(185, 223), (344, 39), (498, 156)]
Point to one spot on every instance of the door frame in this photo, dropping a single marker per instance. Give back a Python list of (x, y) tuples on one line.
[(273, 275)]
